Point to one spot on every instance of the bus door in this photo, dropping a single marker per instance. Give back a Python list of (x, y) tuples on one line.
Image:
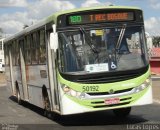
[(53, 75), (23, 70)]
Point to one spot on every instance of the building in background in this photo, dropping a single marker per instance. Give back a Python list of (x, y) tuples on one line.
[(149, 40), (154, 55)]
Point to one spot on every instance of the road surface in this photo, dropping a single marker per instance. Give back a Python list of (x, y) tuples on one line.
[(29, 117)]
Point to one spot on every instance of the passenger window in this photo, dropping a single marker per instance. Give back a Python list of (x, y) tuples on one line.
[(0, 45), (6, 52), (34, 50), (42, 48), (16, 53), (13, 55), (27, 50)]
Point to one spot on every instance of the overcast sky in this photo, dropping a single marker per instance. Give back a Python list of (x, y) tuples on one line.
[(16, 13)]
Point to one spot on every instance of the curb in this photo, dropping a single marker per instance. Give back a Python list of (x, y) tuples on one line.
[(156, 101), (155, 75), (155, 78)]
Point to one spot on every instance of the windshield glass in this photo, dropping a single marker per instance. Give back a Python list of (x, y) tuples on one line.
[(102, 50)]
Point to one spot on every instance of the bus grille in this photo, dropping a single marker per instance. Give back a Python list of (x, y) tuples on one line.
[(107, 93)]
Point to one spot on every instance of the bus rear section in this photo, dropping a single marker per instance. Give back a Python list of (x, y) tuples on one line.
[(2, 67)]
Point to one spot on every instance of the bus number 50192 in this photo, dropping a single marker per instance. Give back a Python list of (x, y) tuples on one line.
[(90, 88)]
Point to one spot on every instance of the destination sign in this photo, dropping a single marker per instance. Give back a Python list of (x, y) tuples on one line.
[(100, 17)]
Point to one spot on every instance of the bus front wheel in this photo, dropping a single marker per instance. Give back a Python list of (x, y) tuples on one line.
[(47, 109), (122, 112), (46, 102), (18, 95)]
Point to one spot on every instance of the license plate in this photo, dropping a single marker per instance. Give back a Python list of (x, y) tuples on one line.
[(112, 101)]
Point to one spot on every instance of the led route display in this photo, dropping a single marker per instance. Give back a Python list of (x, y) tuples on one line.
[(100, 17)]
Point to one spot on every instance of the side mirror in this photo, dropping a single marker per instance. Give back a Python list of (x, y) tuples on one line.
[(54, 39)]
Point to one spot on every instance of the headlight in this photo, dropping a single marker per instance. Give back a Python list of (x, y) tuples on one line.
[(144, 85), (67, 90)]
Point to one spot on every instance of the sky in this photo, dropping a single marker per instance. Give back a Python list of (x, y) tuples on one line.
[(17, 13)]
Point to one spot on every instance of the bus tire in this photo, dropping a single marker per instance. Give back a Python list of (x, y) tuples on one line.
[(19, 101), (122, 112), (46, 103)]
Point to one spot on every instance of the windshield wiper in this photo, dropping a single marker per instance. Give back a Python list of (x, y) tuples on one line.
[(89, 41), (120, 37)]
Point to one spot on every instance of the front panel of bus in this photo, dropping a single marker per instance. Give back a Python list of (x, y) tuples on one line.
[(102, 60)]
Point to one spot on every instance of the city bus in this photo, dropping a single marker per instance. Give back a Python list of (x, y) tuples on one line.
[(81, 60), (2, 68)]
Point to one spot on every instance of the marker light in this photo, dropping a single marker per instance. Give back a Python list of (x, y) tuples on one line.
[(67, 90)]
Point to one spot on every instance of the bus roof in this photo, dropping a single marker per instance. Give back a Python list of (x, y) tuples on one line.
[(54, 16)]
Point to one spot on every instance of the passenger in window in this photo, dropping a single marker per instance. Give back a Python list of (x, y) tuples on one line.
[(110, 39)]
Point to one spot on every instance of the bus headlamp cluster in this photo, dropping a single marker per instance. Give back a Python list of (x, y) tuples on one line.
[(146, 83), (67, 90)]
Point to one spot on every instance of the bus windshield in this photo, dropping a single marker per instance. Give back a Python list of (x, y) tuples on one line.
[(102, 49)]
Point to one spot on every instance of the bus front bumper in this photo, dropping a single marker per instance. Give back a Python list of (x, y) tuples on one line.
[(73, 105)]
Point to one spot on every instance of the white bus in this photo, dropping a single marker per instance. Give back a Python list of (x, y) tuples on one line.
[(2, 68), (80, 61)]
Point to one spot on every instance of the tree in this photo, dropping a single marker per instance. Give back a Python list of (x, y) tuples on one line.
[(156, 41)]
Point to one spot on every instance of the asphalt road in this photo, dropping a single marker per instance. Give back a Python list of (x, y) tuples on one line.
[(29, 117)]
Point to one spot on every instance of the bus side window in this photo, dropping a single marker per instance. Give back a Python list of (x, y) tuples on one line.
[(16, 53), (6, 52), (42, 48), (27, 50), (13, 52), (34, 46), (0, 45)]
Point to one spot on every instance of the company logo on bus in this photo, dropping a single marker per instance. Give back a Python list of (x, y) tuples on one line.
[(111, 91)]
